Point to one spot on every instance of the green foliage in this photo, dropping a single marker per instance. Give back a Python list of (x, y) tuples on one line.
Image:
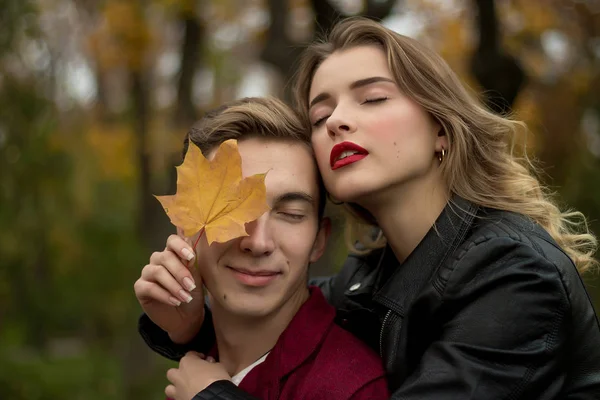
[(93, 375), (16, 15)]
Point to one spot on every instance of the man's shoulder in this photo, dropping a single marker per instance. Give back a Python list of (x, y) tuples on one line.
[(344, 367), (318, 356), (342, 351)]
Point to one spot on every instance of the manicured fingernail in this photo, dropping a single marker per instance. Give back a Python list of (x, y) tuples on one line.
[(187, 254), (189, 284), (174, 301), (185, 296)]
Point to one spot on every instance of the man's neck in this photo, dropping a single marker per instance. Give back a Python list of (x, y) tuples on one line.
[(243, 340)]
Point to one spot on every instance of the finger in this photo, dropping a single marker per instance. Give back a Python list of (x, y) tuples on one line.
[(210, 359), (196, 354), (160, 275), (196, 271), (172, 374), (171, 392), (145, 290), (179, 270), (191, 355), (176, 267), (179, 246)]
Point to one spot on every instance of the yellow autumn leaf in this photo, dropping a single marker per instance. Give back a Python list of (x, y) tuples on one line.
[(212, 195)]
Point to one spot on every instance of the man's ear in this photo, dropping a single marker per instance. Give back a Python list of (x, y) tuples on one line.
[(321, 240)]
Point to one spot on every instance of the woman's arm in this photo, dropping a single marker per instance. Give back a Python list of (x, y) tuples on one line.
[(159, 340), (223, 390)]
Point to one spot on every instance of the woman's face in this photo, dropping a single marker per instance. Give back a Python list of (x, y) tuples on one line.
[(369, 138)]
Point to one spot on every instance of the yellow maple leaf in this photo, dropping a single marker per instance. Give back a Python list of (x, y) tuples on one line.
[(212, 195)]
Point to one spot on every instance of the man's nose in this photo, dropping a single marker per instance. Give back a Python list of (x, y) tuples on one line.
[(259, 241)]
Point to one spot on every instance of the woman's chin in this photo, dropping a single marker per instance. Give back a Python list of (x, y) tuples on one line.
[(349, 194)]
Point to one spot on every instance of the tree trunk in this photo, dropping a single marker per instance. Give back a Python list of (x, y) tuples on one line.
[(136, 358), (500, 74), (185, 113), (281, 52), (139, 97)]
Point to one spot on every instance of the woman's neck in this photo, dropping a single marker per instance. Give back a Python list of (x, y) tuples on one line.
[(405, 214)]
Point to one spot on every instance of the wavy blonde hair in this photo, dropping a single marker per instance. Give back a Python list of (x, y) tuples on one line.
[(482, 164)]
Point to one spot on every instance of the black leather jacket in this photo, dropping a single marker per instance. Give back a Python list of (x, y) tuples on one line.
[(486, 307)]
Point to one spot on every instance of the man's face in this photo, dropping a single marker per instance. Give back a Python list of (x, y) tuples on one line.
[(266, 272)]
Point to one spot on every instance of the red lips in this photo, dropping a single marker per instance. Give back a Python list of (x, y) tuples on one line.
[(336, 162)]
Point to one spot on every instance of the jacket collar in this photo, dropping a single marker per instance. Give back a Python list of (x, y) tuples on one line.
[(298, 342), (407, 279)]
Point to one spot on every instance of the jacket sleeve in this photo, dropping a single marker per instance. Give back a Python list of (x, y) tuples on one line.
[(504, 313), (223, 390), (159, 340)]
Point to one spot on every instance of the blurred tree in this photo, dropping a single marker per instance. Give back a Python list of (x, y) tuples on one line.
[(282, 51), (500, 74), (186, 113)]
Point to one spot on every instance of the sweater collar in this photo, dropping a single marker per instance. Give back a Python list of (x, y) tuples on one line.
[(299, 341)]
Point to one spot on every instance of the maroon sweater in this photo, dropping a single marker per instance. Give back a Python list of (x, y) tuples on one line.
[(316, 359)]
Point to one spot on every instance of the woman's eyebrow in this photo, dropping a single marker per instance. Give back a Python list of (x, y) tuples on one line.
[(319, 98), (367, 81)]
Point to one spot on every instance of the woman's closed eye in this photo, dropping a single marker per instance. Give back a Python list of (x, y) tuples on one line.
[(375, 100), (320, 121)]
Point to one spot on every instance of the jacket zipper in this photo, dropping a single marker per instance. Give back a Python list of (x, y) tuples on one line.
[(387, 315)]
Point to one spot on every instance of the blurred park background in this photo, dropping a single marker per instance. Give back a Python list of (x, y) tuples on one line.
[(96, 95)]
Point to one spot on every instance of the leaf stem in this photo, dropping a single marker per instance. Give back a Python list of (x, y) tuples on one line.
[(196, 244)]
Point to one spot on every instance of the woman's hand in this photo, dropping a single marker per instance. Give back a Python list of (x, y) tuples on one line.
[(170, 293), (193, 376)]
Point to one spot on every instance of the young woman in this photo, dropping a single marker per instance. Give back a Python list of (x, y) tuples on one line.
[(477, 290), (472, 290)]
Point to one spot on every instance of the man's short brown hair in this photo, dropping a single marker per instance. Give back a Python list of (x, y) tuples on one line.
[(263, 117)]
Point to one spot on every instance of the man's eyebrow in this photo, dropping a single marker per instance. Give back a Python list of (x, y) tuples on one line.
[(294, 196), (354, 85)]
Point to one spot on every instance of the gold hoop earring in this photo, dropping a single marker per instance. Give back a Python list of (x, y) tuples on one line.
[(441, 155)]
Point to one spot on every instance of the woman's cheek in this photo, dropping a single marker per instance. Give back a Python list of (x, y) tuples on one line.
[(321, 150), (386, 129)]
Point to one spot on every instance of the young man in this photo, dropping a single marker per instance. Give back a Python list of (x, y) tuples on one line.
[(275, 337)]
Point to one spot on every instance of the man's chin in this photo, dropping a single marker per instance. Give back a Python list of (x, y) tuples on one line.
[(253, 312), (248, 305)]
